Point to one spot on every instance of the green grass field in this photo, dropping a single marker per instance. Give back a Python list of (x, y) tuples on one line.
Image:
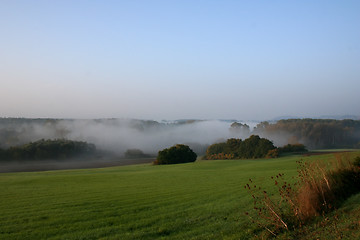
[(201, 200)]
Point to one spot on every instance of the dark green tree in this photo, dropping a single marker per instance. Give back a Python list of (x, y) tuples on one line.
[(177, 154)]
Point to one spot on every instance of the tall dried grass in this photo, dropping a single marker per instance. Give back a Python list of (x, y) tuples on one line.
[(319, 188)]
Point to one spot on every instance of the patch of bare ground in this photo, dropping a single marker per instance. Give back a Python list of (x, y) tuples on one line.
[(34, 166)]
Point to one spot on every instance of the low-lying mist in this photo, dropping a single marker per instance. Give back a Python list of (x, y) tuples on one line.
[(119, 135)]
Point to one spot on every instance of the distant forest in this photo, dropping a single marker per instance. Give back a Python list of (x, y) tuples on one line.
[(314, 133)]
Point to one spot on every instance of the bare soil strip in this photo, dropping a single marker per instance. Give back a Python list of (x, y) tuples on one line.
[(34, 166)]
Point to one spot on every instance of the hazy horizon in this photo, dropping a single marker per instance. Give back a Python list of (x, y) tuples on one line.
[(179, 59), (247, 121)]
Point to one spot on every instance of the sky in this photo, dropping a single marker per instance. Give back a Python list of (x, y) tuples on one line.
[(249, 60)]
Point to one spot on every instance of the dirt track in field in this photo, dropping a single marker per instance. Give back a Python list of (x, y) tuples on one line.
[(34, 166)]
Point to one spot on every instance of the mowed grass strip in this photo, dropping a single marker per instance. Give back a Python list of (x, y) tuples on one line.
[(201, 200)]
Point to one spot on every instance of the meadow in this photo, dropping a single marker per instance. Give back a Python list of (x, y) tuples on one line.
[(201, 200)]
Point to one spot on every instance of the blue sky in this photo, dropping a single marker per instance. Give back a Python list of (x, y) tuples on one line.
[(179, 59)]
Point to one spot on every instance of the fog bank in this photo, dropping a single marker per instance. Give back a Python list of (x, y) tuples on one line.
[(119, 135)]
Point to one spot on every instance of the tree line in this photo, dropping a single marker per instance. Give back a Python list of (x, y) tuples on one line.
[(49, 149)]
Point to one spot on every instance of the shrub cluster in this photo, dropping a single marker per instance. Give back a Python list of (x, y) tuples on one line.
[(293, 148), (274, 153), (177, 154), (48, 149), (252, 147)]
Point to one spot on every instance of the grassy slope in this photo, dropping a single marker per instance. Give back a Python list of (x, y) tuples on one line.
[(202, 200)]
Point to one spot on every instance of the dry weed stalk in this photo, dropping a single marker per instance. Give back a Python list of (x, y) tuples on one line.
[(270, 213)]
